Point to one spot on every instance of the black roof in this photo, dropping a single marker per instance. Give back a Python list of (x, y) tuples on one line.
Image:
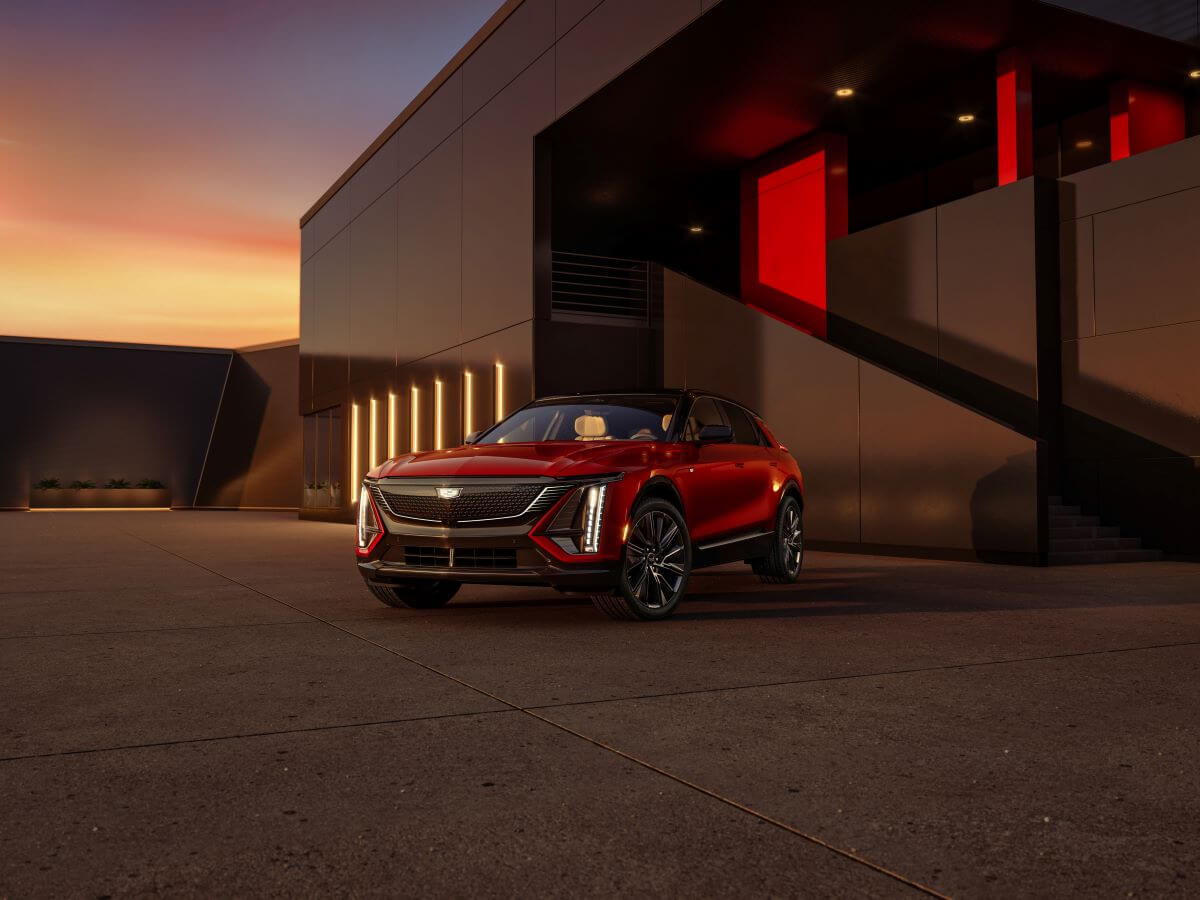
[(644, 392)]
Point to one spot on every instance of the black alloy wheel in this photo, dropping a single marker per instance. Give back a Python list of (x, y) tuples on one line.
[(782, 565), (656, 565), (415, 594)]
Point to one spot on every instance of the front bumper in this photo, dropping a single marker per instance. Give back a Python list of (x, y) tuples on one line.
[(487, 555)]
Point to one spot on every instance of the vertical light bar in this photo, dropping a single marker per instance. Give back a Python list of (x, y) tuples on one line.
[(437, 415), (373, 434), (468, 403), (499, 391), (415, 418), (393, 424), (354, 478)]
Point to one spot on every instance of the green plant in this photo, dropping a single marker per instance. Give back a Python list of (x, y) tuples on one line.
[(152, 483), (116, 483), (82, 485), (47, 484)]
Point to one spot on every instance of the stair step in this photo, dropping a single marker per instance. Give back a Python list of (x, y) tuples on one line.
[(1058, 509), (1071, 545), (1072, 532), (1073, 521), (1091, 557)]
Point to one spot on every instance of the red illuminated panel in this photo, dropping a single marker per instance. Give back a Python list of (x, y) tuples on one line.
[(1014, 117), (1141, 117), (793, 204), (791, 229)]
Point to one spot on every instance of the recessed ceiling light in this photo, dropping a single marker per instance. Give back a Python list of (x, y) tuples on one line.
[(967, 117), (1195, 73), (696, 229), (1083, 144), (844, 92)]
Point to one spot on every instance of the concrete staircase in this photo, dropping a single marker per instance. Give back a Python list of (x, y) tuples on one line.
[(1077, 539)]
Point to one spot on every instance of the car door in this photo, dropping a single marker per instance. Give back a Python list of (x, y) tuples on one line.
[(714, 481), (754, 472)]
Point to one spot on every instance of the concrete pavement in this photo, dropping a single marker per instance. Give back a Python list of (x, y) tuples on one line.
[(205, 702)]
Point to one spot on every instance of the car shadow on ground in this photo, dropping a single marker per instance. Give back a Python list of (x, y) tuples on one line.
[(879, 590)]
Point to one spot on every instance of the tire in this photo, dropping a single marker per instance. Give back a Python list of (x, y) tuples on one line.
[(414, 594), (655, 565), (783, 564)]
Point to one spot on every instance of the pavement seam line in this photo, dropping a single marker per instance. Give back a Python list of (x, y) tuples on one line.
[(882, 674), (150, 630), (728, 801), (343, 726)]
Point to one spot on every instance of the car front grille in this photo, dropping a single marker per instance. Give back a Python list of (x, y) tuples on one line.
[(476, 504)]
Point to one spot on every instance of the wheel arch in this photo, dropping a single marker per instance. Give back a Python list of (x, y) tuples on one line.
[(660, 487), (792, 489)]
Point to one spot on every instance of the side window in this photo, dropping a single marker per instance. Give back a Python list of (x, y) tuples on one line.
[(704, 412), (744, 431)]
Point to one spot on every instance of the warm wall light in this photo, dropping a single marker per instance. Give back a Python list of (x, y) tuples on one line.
[(499, 391), (1195, 73), (393, 423), (967, 117), (1083, 144), (373, 434), (844, 92), (353, 453), (437, 415), (468, 402), (696, 229), (414, 406)]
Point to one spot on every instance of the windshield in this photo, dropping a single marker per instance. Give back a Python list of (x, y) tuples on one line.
[(587, 419)]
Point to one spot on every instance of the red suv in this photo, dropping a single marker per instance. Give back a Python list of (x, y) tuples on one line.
[(618, 495)]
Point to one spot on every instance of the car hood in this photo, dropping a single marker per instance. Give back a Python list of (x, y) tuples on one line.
[(551, 458)]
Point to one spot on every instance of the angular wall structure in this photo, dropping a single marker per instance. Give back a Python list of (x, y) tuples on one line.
[(216, 427)]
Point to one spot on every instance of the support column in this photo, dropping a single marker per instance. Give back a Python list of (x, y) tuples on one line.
[(794, 201), (1142, 117), (1014, 117)]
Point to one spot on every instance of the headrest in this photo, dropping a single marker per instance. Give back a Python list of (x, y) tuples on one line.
[(590, 428), (667, 422)]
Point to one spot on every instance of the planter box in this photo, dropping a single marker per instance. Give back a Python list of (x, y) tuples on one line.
[(108, 498)]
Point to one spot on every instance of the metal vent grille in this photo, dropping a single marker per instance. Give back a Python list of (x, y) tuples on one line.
[(591, 286), (484, 558), (460, 558), (427, 557)]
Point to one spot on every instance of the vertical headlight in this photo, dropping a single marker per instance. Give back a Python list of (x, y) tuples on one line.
[(593, 514), (369, 526)]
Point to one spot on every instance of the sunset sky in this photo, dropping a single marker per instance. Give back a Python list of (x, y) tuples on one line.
[(156, 155)]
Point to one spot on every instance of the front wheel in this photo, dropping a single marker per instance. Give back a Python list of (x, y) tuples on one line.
[(656, 565), (782, 565), (415, 594)]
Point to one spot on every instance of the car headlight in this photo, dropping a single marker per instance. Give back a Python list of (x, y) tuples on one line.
[(578, 524), (593, 506), (370, 528)]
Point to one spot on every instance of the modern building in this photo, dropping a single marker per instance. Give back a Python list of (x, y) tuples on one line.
[(197, 427), (946, 249)]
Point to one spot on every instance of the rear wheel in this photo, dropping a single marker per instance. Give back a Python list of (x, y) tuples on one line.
[(415, 594), (782, 565), (656, 565)]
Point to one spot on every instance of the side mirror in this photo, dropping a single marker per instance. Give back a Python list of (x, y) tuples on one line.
[(472, 437), (716, 434)]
